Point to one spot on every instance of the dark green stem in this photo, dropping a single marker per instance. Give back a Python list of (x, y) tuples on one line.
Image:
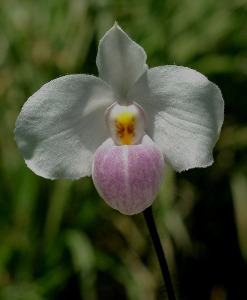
[(148, 214)]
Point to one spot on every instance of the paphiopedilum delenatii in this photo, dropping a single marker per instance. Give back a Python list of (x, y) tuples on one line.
[(122, 126)]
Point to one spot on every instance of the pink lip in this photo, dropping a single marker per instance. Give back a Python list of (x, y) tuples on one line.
[(128, 177)]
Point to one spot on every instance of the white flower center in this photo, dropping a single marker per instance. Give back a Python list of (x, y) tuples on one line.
[(126, 123)]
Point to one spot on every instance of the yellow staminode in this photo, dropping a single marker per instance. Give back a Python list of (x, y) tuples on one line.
[(125, 125)]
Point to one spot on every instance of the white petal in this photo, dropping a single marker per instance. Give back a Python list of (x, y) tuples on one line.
[(185, 113), (62, 124), (120, 60)]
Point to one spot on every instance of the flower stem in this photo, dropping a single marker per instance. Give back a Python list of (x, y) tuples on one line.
[(148, 215)]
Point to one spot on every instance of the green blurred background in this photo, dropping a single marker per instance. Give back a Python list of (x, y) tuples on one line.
[(58, 240)]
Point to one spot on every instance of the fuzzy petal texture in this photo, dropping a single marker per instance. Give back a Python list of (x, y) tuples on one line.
[(120, 61), (128, 177), (62, 124), (185, 113)]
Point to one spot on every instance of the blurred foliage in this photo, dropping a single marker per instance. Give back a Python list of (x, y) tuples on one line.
[(58, 239)]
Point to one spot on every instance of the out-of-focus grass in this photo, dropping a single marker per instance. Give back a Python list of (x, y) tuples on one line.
[(58, 239)]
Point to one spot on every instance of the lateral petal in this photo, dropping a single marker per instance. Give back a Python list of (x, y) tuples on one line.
[(185, 113), (62, 124)]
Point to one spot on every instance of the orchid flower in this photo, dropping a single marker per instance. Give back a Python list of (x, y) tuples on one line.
[(121, 127)]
